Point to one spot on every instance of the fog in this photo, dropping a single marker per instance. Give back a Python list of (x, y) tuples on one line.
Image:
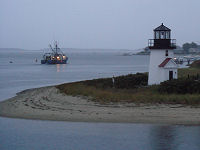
[(108, 24)]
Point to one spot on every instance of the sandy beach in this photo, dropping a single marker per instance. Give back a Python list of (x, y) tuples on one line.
[(47, 103)]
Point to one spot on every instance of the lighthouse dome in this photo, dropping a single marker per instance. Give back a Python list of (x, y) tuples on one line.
[(162, 28)]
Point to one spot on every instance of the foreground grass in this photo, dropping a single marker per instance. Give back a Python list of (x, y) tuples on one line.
[(143, 94)]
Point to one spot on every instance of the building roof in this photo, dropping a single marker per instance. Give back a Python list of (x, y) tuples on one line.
[(162, 28), (164, 62)]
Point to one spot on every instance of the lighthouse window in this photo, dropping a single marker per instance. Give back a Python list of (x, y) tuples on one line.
[(167, 35), (166, 53), (162, 35), (157, 35)]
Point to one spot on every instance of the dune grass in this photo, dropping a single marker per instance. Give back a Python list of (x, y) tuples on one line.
[(148, 95), (142, 94)]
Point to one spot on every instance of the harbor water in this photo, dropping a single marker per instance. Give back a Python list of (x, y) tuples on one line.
[(19, 71)]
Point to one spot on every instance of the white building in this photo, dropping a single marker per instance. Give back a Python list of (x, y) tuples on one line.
[(193, 50), (162, 66)]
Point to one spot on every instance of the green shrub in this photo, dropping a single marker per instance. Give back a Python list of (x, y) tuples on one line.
[(195, 64), (120, 82), (180, 86), (100, 83), (131, 81)]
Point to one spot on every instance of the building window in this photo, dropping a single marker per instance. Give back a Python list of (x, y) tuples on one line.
[(166, 53)]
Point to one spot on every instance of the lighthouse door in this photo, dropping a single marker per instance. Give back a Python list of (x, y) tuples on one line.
[(170, 75)]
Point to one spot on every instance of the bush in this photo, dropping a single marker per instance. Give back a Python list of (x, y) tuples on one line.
[(100, 83), (195, 64), (180, 86), (131, 81), (121, 82)]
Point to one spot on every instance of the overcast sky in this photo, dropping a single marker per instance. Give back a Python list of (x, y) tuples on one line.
[(116, 24)]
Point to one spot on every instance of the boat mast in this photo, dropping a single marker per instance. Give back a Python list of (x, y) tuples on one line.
[(56, 45), (51, 48)]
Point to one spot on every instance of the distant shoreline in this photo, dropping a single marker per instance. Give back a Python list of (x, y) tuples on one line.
[(47, 103)]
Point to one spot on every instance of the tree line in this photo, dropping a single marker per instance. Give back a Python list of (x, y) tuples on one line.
[(187, 46)]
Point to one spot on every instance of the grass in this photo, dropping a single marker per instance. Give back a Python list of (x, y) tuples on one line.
[(184, 72), (148, 95), (143, 94)]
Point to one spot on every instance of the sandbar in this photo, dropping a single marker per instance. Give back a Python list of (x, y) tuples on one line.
[(48, 103)]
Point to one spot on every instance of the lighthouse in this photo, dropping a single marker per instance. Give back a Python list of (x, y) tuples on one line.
[(162, 66)]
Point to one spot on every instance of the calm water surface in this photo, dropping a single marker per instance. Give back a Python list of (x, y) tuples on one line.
[(24, 72)]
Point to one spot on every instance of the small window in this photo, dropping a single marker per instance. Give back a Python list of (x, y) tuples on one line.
[(166, 53), (162, 35), (157, 35), (167, 35)]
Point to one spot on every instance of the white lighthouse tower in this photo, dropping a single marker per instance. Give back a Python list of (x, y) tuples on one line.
[(162, 66)]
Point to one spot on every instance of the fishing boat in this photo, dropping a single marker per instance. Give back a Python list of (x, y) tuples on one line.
[(55, 57)]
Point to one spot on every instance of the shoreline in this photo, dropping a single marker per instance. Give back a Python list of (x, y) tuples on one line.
[(47, 103)]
